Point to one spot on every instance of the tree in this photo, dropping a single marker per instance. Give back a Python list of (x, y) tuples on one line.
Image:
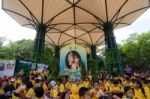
[(136, 50), (100, 63), (2, 39), (48, 58), (22, 47)]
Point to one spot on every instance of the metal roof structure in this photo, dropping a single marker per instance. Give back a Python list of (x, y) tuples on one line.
[(75, 21)]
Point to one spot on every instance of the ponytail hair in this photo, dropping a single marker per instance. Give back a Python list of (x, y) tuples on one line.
[(142, 89), (140, 86)]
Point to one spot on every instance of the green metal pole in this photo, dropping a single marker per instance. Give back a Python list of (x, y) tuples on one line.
[(39, 42), (57, 53), (93, 52), (109, 36), (112, 53)]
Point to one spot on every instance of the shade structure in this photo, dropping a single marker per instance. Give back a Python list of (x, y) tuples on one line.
[(84, 22), (74, 21), (75, 35)]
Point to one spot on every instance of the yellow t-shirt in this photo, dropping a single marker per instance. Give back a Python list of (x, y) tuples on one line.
[(116, 88), (42, 75), (75, 91), (124, 97), (39, 98), (18, 81), (44, 87), (1, 91), (86, 84), (54, 92), (130, 84), (96, 94), (68, 85), (138, 94), (61, 88), (147, 92), (45, 73), (30, 93), (37, 85), (32, 81), (34, 71), (127, 83), (14, 97), (107, 86)]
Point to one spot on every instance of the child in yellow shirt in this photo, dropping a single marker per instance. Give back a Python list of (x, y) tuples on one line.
[(54, 89), (128, 93), (86, 83), (68, 85), (1, 90), (75, 89), (139, 91), (101, 85), (96, 92), (107, 85), (30, 90), (147, 89), (116, 89), (76, 85), (84, 93)]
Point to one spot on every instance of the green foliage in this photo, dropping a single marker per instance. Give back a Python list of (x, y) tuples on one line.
[(54, 68), (47, 55), (114, 60), (90, 64), (47, 58), (136, 50), (100, 64), (22, 47), (2, 39), (95, 66), (112, 56), (83, 69)]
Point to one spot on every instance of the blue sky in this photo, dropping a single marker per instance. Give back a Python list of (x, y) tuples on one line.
[(10, 29)]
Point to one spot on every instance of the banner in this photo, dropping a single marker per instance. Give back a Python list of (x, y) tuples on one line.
[(39, 66), (27, 66), (7, 68), (71, 58)]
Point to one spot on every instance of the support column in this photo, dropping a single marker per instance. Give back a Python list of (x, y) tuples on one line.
[(88, 56), (113, 58), (93, 52), (57, 53), (16, 64), (39, 42), (110, 39)]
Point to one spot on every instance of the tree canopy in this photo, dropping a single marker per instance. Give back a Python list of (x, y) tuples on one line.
[(135, 50), (22, 47)]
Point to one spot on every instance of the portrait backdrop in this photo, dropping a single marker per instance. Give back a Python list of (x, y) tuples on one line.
[(71, 58)]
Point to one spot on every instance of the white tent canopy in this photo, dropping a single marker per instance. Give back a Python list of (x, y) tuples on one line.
[(75, 21)]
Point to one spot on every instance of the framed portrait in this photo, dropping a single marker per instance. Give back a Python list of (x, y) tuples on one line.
[(71, 58)]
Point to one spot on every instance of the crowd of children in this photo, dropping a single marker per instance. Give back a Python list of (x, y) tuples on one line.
[(38, 86)]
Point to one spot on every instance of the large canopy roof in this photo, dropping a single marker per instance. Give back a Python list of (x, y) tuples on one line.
[(75, 21)]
